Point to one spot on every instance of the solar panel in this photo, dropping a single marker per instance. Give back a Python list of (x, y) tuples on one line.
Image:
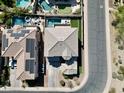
[(30, 44), (29, 66)]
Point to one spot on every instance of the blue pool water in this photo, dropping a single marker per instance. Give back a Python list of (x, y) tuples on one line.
[(45, 5), (22, 3), (52, 22), (18, 21)]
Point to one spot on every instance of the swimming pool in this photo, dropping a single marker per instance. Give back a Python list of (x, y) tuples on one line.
[(52, 22), (18, 21), (22, 3), (45, 5)]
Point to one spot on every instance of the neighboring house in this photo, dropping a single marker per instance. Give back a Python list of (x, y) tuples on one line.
[(61, 41), (21, 44)]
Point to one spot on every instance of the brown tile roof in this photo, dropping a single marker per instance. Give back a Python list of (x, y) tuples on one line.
[(17, 49)]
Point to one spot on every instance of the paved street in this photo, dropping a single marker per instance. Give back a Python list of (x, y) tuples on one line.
[(97, 48)]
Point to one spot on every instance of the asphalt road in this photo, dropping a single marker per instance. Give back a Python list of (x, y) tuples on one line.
[(97, 49)]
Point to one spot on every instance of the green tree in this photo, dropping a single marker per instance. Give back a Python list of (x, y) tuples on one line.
[(9, 3)]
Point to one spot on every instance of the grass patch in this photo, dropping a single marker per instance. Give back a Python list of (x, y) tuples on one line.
[(64, 9), (77, 23), (80, 69)]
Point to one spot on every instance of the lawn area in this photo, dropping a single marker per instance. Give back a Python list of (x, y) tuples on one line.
[(64, 9), (77, 23), (80, 69)]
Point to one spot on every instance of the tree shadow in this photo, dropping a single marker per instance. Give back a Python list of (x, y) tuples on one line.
[(80, 56)]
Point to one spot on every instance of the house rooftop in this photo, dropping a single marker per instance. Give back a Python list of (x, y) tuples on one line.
[(61, 41), (20, 44)]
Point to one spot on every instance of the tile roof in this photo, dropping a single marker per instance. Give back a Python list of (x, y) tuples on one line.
[(61, 42), (21, 46)]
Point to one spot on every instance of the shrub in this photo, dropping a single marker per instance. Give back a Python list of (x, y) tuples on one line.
[(112, 90), (70, 85), (120, 77), (62, 82), (116, 64), (120, 61), (120, 47), (77, 82), (122, 69), (114, 75), (65, 76)]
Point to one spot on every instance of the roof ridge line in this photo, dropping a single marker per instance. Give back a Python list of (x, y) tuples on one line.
[(56, 40), (70, 34)]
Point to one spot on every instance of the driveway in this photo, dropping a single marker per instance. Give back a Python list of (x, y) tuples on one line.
[(13, 81), (53, 74)]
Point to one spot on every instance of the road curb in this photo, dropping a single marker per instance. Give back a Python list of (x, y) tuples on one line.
[(108, 45)]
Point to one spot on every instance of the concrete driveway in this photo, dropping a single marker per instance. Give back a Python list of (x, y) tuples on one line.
[(53, 74), (13, 81)]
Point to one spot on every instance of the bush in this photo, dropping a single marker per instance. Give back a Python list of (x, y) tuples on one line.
[(114, 23), (65, 76), (70, 85), (114, 75), (116, 64), (121, 47), (122, 70), (78, 82), (120, 61), (123, 89), (112, 90), (120, 77), (62, 82), (23, 86)]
